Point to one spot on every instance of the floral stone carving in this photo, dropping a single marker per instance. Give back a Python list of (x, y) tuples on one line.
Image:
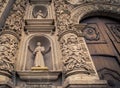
[(8, 48), (15, 21), (75, 54)]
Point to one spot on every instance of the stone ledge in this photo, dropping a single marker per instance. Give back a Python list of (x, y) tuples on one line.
[(39, 21), (39, 75), (40, 1), (85, 83)]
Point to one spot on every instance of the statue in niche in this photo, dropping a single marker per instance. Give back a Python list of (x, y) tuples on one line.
[(40, 12), (39, 52), (39, 60)]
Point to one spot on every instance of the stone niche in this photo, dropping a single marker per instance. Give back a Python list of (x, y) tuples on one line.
[(39, 11), (47, 56), (39, 78)]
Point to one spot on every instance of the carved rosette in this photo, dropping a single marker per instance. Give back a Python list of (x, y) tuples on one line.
[(8, 49)]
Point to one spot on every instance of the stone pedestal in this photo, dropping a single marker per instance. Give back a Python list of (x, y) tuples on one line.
[(38, 75), (39, 79), (84, 82)]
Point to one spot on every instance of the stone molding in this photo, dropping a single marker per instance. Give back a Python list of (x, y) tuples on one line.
[(78, 2), (82, 12), (39, 75)]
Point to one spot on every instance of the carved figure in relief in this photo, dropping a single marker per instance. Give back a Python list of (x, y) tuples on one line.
[(39, 14), (39, 60), (40, 11)]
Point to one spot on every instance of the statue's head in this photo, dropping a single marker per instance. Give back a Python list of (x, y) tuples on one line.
[(38, 43)]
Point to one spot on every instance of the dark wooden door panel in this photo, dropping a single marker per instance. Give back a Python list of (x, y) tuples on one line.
[(102, 36), (108, 68)]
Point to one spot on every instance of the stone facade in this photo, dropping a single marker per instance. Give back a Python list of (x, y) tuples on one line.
[(55, 24)]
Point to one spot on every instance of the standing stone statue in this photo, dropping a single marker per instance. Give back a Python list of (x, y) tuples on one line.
[(39, 60)]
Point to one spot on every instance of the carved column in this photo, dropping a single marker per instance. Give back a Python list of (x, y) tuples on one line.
[(9, 40), (78, 66), (77, 63), (8, 49)]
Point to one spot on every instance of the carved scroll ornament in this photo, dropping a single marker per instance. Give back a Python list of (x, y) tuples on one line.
[(8, 48)]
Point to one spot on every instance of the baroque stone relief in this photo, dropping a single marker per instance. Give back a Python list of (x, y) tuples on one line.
[(2, 3), (62, 14), (89, 10), (65, 17), (75, 54), (76, 2), (15, 21), (8, 49)]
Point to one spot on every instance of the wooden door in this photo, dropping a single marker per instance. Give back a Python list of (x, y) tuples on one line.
[(102, 36)]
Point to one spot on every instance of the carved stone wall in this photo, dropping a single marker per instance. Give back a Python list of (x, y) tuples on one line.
[(8, 49), (76, 59), (15, 21), (2, 5)]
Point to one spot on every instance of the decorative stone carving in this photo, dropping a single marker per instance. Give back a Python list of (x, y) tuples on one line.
[(8, 49), (63, 15), (74, 56), (39, 12), (93, 10), (2, 2), (91, 34), (76, 2), (15, 21)]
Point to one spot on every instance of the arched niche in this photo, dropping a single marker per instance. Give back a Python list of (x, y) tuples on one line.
[(40, 10), (30, 57)]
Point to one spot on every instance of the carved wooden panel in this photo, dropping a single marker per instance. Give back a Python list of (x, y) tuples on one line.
[(104, 46), (92, 34), (115, 30)]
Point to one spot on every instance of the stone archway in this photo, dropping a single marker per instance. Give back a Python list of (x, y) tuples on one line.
[(82, 12), (90, 14)]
